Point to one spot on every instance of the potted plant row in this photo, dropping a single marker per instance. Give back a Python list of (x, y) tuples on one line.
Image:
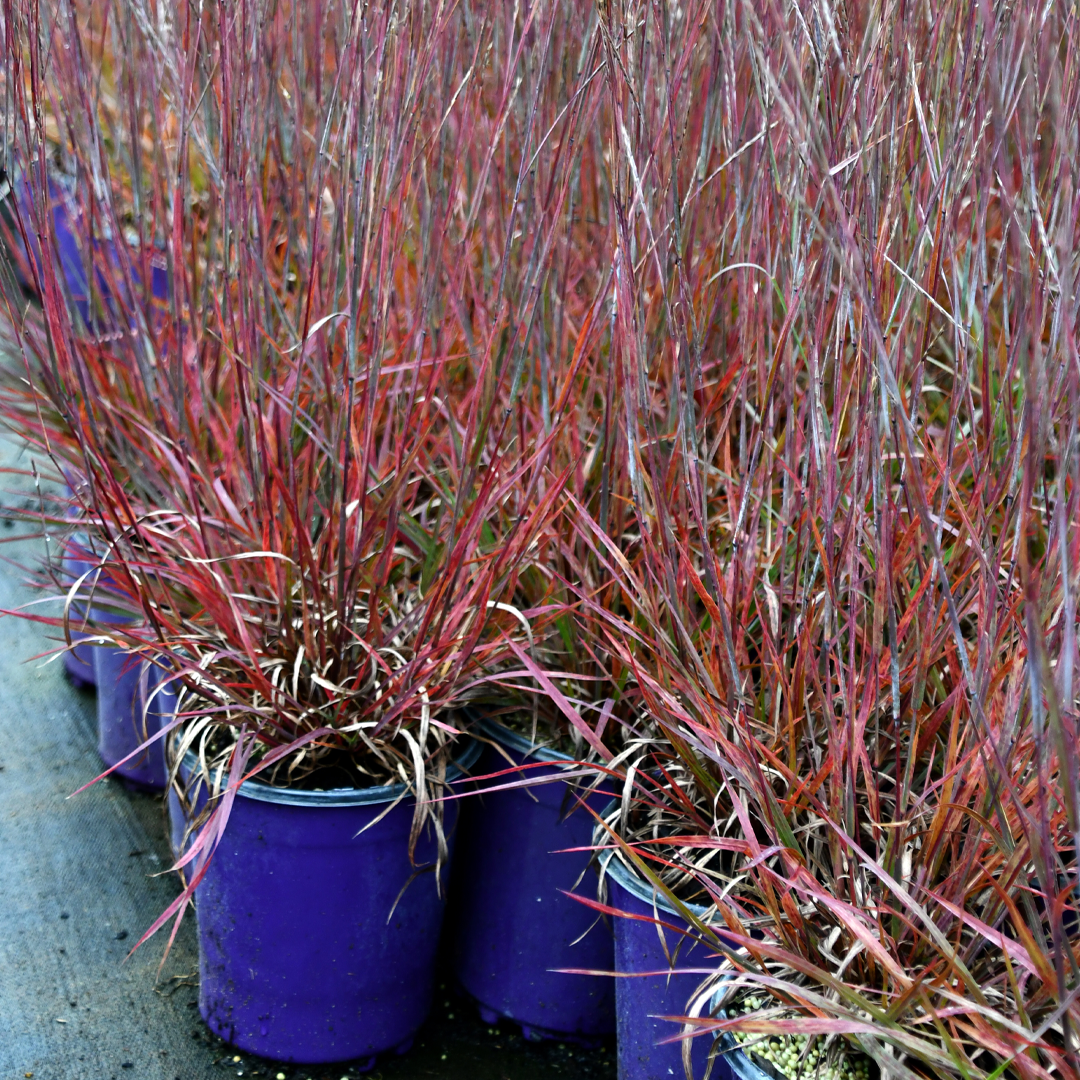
[(93, 598), (317, 578), (498, 404)]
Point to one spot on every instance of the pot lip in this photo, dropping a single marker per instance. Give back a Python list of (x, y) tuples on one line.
[(514, 740), (261, 792), (614, 867), (741, 1062), (80, 539), (75, 564), (77, 550)]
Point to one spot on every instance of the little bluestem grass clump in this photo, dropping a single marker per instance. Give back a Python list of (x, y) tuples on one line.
[(845, 321)]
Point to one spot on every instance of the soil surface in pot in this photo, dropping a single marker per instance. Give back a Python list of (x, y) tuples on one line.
[(335, 768), (551, 736), (78, 886)]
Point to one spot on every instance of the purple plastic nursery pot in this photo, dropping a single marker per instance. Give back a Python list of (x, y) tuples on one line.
[(513, 923), (121, 684), (128, 714), (118, 676), (640, 1002), (78, 660), (77, 254), (317, 936), (178, 820)]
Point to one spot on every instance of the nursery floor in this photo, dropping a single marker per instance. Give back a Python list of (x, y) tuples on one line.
[(77, 887)]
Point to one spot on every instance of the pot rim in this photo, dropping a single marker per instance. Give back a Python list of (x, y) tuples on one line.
[(614, 868), (514, 740), (103, 610), (742, 1064), (262, 792)]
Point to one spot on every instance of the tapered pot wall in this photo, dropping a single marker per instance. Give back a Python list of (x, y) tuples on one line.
[(78, 661), (178, 820), (122, 727), (513, 923), (317, 935), (83, 258), (641, 1002)]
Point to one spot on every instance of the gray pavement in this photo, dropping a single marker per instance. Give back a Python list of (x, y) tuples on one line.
[(77, 879), (79, 884)]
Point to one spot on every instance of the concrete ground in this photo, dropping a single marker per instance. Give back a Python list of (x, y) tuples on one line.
[(79, 884)]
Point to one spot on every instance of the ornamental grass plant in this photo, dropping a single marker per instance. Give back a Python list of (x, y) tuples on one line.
[(729, 347), (306, 473), (848, 303)]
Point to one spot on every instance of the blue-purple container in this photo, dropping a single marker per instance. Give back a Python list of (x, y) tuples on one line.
[(78, 660), (129, 714), (121, 679), (317, 935), (82, 259), (513, 925), (640, 1002)]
